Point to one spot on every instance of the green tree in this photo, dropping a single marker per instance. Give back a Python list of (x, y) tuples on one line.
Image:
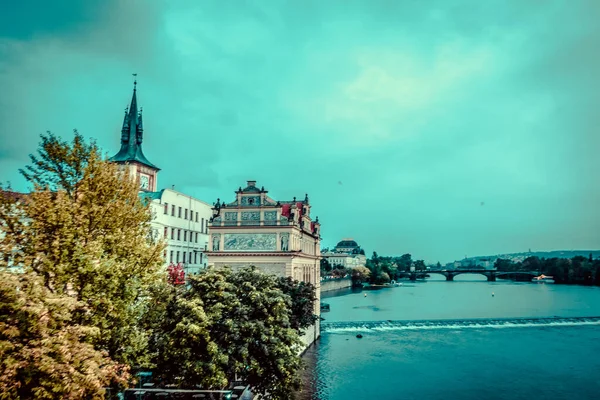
[(420, 265), (326, 267), (360, 275), (87, 236), (405, 262), (303, 296), (230, 324), (42, 354)]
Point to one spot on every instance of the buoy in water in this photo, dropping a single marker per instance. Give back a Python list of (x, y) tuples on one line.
[(359, 336), (493, 294), (365, 295)]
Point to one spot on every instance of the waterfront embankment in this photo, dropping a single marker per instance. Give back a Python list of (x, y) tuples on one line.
[(328, 285)]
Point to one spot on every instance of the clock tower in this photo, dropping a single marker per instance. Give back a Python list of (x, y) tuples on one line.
[(131, 156)]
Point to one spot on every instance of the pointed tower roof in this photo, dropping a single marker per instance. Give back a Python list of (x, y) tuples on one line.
[(132, 134)]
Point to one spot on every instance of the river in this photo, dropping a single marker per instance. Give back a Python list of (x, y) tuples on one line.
[(467, 339)]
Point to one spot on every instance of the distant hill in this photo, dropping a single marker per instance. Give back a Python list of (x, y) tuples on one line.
[(542, 254)]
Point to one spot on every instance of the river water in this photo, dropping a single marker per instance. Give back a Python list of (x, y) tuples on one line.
[(467, 339)]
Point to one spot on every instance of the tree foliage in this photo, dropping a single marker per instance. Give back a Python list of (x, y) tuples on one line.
[(579, 270), (43, 355), (227, 325), (360, 275), (84, 234), (303, 296), (60, 165)]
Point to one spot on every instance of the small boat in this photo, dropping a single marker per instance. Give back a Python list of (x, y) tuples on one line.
[(543, 279), (325, 307)]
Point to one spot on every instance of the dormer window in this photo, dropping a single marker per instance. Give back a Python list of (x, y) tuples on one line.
[(250, 200)]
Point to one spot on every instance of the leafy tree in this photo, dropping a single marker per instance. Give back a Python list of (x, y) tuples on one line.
[(87, 236), (504, 265), (420, 265), (405, 262), (60, 165), (228, 325), (42, 354), (339, 271), (325, 266), (360, 275), (303, 296)]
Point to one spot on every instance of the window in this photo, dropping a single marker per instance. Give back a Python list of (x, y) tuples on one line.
[(178, 234), (172, 233), (166, 209), (177, 256), (195, 258), (196, 237), (190, 257), (171, 259), (166, 231), (179, 212), (186, 210), (184, 257), (172, 211), (185, 236), (202, 226), (196, 216), (201, 258), (165, 254)]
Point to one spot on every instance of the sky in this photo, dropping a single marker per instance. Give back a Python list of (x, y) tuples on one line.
[(441, 128)]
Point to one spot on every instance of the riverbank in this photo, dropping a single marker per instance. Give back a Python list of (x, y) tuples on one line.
[(328, 285)]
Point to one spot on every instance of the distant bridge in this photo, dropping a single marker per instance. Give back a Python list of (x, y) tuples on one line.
[(490, 274)]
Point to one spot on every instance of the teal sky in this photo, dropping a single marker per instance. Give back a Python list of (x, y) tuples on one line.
[(440, 128)]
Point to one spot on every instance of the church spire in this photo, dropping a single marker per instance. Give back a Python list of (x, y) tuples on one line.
[(132, 135)]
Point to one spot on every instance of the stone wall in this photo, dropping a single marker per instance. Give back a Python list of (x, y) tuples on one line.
[(311, 334), (335, 284)]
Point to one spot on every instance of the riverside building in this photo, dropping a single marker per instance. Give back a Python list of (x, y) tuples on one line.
[(278, 237), (347, 253), (181, 220)]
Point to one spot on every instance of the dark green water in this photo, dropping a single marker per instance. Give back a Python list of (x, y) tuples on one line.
[(487, 351)]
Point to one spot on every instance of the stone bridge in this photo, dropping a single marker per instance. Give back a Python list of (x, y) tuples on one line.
[(490, 274)]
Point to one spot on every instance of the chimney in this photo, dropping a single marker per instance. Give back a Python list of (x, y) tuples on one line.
[(252, 183)]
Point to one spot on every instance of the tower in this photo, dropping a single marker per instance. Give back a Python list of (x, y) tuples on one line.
[(131, 156)]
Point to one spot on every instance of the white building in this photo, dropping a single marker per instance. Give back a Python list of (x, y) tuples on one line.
[(182, 221), (347, 253), (178, 218)]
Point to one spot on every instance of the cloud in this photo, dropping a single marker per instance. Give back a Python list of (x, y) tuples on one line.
[(423, 111)]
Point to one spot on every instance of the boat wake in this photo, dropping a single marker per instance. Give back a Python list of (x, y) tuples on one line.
[(479, 323)]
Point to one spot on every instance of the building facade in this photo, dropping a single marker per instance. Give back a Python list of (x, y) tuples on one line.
[(347, 253), (181, 220), (277, 237)]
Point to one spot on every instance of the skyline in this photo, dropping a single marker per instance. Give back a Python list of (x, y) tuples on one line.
[(434, 130)]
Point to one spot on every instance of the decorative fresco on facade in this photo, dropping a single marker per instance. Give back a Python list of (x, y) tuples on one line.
[(250, 215), (250, 242), (270, 215), (251, 201)]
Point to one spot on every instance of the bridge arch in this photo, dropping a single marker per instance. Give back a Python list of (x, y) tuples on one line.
[(486, 274), (440, 275)]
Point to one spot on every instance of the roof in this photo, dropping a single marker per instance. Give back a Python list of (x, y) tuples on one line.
[(150, 195), (132, 134), (15, 196), (347, 243)]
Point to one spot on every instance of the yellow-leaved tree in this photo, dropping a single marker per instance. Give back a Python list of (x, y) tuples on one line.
[(84, 233)]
